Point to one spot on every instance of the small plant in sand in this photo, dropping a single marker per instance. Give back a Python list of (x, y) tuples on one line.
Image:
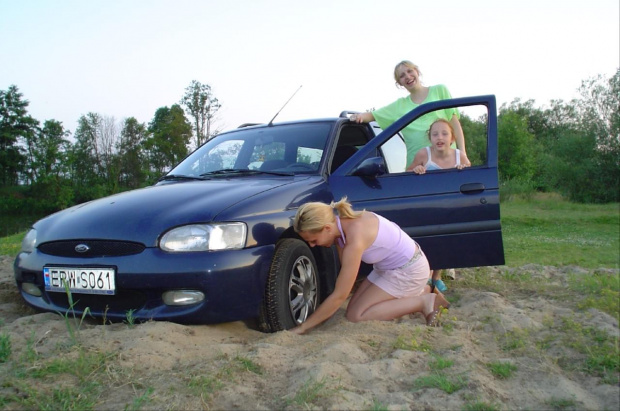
[(480, 406), (562, 403), (312, 390), (439, 363), (444, 382), (139, 403), (514, 339), (410, 342), (502, 370), (73, 327), (5, 347), (130, 320)]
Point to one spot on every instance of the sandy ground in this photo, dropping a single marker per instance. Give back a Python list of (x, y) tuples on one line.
[(340, 365)]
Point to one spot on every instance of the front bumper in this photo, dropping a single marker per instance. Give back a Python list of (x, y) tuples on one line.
[(233, 282)]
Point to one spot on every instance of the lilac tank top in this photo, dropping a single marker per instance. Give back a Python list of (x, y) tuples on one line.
[(391, 249)]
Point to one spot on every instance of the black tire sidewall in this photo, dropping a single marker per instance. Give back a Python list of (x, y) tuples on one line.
[(276, 307)]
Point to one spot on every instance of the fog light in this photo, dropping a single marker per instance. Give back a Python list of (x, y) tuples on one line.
[(182, 297), (31, 289)]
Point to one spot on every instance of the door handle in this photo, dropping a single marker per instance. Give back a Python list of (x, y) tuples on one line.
[(472, 188)]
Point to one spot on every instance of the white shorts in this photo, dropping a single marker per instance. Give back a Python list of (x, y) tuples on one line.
[(405, 281)]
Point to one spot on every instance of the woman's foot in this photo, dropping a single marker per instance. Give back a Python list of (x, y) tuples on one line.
[(439, 304)]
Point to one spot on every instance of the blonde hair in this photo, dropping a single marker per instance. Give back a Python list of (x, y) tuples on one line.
[(313, 216), (442, 120), (408, 64)]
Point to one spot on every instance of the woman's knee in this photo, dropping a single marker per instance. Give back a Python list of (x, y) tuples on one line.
[(353, 315)]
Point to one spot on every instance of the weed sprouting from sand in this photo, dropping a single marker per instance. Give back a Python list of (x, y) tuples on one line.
[(444, 382), (480, 406), (502, 370), (130, 320), (312, 390), (5, 347), (600, 290), (561, 403), (139, 402), (248, 365), (73, 329), (514, 339), (412, 342), (439, 363)]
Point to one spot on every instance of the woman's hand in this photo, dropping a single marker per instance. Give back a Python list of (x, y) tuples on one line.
[(298, 330), (419, 169)]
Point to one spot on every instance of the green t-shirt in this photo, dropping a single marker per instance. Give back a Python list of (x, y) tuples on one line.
[(415, 134)]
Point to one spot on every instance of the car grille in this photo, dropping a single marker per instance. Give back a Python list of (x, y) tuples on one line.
[(95, 248)]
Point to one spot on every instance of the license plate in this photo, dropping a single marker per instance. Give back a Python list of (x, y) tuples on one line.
[(80, 280)]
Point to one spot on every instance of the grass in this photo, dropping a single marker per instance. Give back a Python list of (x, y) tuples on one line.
[(502, 370), (11, 245), (548, 230)]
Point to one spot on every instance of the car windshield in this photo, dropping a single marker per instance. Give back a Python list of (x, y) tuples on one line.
[(285, 149)]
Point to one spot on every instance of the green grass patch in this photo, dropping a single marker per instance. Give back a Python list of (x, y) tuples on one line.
[(311, 391), (548, 230), (12, 244), (447, 383), (502, 370), (600, 291)]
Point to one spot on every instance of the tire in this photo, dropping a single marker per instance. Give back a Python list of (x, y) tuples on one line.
[(293, 287)]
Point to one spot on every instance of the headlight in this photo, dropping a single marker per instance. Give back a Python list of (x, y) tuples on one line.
[(204, 237), (29, 241)]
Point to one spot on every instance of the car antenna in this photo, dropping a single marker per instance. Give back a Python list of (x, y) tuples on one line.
[(274, 117)]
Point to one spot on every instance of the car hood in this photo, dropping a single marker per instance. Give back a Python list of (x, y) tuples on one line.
[(143, 215)]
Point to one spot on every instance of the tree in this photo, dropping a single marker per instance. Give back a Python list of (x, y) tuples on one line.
[(516, 151), (202, 106), (169, 138), (585, 166), (131, 154), (49, 167), (475, 132), (16, 127), (48, 151)]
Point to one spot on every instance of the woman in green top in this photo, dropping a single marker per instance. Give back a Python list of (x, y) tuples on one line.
[(407, 75)]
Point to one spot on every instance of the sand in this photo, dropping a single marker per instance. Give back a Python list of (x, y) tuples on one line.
[(340, 365)]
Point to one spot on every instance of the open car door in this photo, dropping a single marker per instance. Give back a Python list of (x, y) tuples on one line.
[(453, 214)]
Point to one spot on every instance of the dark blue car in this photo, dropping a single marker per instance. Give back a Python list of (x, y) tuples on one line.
[(212, 241)]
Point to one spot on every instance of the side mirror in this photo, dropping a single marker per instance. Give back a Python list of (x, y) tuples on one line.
[(371, 167)]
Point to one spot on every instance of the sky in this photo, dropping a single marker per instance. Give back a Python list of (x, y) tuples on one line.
[(128, 58)]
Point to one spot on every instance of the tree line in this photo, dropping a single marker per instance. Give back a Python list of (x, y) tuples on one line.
[(50, 172), (570, 147)]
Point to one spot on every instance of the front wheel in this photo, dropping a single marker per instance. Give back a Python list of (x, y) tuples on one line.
[(293, 289)]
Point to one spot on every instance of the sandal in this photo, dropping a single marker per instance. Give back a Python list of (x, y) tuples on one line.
[(437, 284)]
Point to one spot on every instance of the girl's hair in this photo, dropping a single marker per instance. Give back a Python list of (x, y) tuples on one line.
[(442, 120), (313, 216), (408, 64)]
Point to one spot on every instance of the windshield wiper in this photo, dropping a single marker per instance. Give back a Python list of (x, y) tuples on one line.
[(178, 177), (241, 171)]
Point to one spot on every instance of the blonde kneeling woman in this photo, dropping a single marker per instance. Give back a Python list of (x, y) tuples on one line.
[(397, 284)]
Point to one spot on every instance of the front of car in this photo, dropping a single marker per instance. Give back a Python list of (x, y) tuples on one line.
[(195, 248)]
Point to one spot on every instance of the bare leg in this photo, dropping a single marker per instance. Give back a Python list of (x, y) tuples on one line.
[(372, 303), (360, 290)]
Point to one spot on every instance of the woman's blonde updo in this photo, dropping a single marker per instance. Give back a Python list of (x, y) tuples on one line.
[(313, 216)]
